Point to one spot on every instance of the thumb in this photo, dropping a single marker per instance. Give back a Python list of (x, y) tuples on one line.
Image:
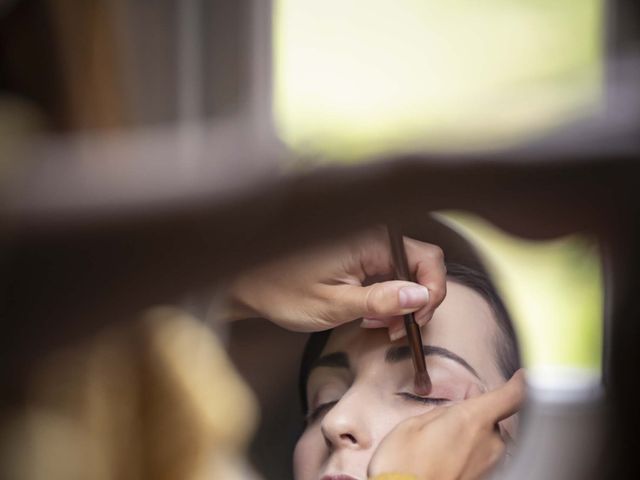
[(385, 299), (502, 402)]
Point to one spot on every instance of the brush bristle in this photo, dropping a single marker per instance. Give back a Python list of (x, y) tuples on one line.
[(422, 383)]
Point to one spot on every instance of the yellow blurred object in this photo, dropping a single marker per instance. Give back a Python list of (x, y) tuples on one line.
[(554, 290), (394, 476), (158, 399), (354, 79)]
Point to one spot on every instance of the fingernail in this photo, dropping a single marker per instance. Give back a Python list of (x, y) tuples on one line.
[(372, 323), (396, 334), (413, 296)]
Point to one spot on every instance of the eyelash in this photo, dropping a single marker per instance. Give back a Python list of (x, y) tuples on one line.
[(426, 400), (319, 410), (323, 407)]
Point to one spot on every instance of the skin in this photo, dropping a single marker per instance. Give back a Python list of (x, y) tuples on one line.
[(356, 407), (327, 286)]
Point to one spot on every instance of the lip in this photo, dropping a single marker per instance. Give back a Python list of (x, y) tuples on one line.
[(339, 476)]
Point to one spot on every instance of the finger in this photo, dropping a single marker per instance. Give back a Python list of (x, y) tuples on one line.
[(426, 261), (373, 253), (373, 323), (484, 458), (394, 324), (500, 403), (380, 322), (397, 329), (383, 299)]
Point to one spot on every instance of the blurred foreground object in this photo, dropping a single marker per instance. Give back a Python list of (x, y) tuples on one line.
[(154, 399), (163, 197), (352, 81)]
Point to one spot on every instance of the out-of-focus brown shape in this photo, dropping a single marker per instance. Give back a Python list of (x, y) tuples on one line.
[(154, 399), (88, 243), (85, 41)]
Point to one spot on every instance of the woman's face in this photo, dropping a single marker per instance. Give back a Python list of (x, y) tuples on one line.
[(362, 385)]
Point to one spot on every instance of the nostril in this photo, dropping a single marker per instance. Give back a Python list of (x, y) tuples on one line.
[(348, 437)]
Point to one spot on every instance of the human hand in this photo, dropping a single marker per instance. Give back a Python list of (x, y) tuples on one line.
[(451, 442), (325, 287)]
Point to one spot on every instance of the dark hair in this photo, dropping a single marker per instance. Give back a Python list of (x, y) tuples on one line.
[(506, 344), (507, 349)]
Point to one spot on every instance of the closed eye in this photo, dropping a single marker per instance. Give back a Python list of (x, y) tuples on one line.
[(319, 410), (426, 400)]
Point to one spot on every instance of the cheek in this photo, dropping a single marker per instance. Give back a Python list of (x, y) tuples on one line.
[(388, 418), (308, 454)]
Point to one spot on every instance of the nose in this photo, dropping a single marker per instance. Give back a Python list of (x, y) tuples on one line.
[(345, 425)]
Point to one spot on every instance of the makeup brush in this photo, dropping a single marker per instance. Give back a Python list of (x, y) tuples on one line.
[(401, 265)]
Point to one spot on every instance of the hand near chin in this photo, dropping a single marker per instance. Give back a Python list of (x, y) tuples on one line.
[(451, 442), (325, 287)]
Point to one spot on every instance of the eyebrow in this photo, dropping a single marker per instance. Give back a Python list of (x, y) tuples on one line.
[(393, 355), (403, 352), (335, 360)]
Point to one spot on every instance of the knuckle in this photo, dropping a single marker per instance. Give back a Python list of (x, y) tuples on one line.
[(434, 252), (413, 426), (372, 301), (368, 306), (466, 416), (413, 423), (496, 451), (438, 292)]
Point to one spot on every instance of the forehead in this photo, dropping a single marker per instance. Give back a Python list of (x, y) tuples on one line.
[(464, 323)]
